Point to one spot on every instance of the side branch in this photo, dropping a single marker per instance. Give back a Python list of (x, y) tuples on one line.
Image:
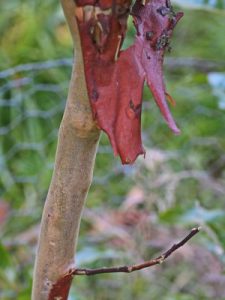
[(129, 269)]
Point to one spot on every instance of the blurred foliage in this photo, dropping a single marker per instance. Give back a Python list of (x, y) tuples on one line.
[(133, 213), (219, 4)]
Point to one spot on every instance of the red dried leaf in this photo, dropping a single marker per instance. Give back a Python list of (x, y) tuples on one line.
[(60, 290), (115, 78)]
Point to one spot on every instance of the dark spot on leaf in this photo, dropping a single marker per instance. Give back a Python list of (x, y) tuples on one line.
[(147, 55), (131, 104), (162, 41), (94, 95), (168, 4), (149, 35), (163, 11)]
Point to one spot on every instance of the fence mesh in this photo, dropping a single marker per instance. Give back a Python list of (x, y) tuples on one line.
[(30, 113), (32, 100), (129, 208)]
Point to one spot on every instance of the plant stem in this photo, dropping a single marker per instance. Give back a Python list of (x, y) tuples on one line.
[(75, 156)]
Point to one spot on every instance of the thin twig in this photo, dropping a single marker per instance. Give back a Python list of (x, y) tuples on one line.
[(128, 269)]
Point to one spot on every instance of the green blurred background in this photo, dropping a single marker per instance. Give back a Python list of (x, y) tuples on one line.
[(132, 213)]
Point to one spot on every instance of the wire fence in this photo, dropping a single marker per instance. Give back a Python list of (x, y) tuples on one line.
[(31, 106), (32, 100), (134, 203)]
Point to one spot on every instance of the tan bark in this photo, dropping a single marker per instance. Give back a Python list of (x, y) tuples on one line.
[(72, 176)]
